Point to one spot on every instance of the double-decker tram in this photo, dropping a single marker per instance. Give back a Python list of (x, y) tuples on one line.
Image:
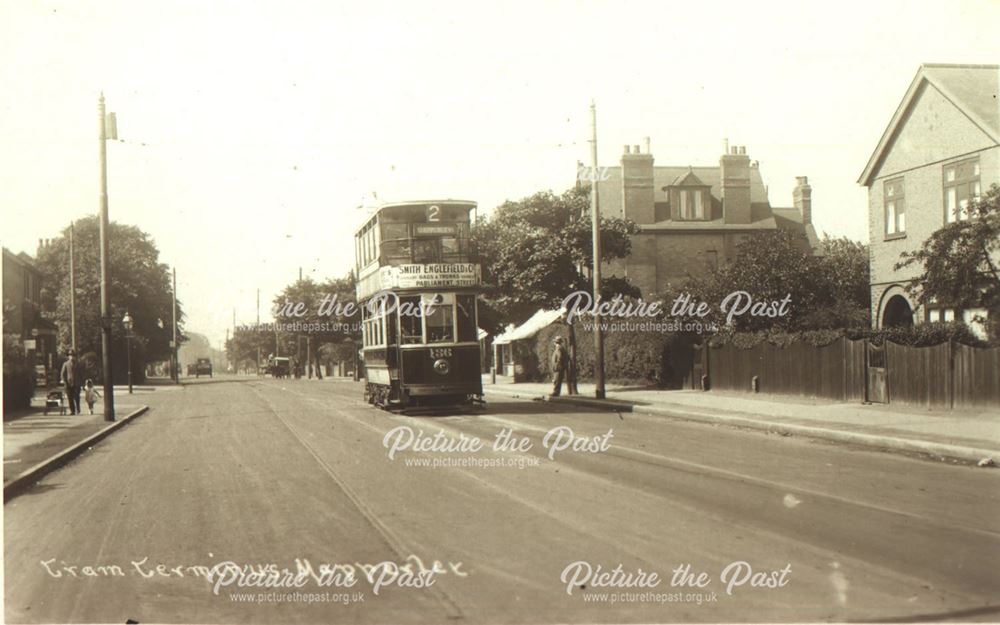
[(417, 285)]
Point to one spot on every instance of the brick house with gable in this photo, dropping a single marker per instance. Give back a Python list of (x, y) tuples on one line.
[(940, 150)]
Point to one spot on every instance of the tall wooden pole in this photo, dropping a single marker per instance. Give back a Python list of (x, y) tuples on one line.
[(173, 351), (595, 211), (257, 332), (109, 388), (72, 286)]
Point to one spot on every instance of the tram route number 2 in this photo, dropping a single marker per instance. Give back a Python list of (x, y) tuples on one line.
[(434, 213), (441, 352)]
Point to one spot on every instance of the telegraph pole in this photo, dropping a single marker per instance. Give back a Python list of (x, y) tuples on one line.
[(72, 286), (596, 216), (257, 332), (109, 387), (173, 343)]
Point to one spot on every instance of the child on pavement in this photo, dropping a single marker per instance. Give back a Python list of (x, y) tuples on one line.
[(91, 395)]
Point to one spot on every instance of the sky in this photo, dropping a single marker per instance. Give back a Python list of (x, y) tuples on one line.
[(251, 132)]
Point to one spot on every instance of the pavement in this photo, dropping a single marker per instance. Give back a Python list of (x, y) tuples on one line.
[(970, 436), (738, 525), (36, 441)]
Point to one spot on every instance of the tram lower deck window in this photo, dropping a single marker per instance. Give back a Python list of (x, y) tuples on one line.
[(466, 309), (441, 324), (410, 322)]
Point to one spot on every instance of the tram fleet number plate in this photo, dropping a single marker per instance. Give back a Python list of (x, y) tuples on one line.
[(441, 352)]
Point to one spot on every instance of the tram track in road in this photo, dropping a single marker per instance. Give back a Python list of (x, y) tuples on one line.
[(391, 539), (767, 522)]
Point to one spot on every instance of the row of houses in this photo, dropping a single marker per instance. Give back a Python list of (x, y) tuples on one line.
[(941, 149), (22, 313)]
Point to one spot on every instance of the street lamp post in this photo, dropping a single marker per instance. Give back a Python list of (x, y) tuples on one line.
[(127, 322)]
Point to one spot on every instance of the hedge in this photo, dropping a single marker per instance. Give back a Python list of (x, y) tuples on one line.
[(922, 335), (629, 357)]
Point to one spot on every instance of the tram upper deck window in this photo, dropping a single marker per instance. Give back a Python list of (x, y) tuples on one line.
[(396, 245), (426, 251), (410, 322), (451, 249)]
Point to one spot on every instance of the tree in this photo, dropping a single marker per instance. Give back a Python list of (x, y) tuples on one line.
[(329, 317), (139, 284), (845, 276), (826, 291), (538, 250), (961, 261)]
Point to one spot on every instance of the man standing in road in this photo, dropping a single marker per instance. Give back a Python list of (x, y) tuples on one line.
[(560, 359), (70, 376)]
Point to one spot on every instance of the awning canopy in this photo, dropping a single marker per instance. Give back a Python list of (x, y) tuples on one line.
[(531, 327)]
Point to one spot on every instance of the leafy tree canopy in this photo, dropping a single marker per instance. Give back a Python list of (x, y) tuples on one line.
[(537, 250), (960, 261), (139, 282), (825, 291)]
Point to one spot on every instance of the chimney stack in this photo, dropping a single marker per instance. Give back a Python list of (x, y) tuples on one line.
[(637, 185), (627, 150), (735, 173), (648, 146), (802, 196)]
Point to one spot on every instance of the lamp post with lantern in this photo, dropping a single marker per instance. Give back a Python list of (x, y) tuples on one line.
[(128, 323)]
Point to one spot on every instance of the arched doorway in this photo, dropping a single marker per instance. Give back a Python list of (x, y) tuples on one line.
[(897, 313)]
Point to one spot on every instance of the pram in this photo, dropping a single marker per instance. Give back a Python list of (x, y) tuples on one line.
[(53, 401)]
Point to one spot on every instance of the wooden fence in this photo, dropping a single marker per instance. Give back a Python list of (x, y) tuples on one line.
[(947, 375), (834, 371)]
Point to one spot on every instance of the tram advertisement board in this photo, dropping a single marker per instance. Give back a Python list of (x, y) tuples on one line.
[(435, 275)]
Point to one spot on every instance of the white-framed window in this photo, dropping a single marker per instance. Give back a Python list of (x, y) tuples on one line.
[(895, 207), (961, 185), (692, 206), (940, 314)]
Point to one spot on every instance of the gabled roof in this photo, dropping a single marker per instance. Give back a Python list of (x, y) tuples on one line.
[(610, 192), (972, 89), (791, 219), (688, 180)]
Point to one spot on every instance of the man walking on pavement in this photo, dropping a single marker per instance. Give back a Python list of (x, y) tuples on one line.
[(559, 361), (70, 376)]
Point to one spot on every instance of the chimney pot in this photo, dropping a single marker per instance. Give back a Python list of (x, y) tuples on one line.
[(628, 149), (743, 149), (635, 149), (647, 142), (725, 145)]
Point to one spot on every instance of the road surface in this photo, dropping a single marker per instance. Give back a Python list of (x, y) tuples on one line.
[(702, 523)]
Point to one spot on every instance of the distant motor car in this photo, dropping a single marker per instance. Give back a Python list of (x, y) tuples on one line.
[(279, 367), (203, 367)]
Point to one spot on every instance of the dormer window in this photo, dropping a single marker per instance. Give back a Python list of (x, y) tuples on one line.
[(689, 198)]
